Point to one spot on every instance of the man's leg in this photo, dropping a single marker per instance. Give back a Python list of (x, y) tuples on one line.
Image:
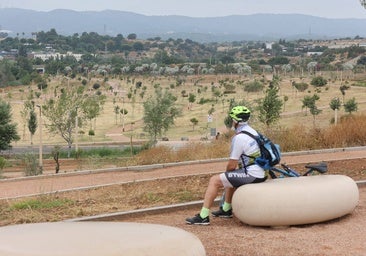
[(211, 193), (225, 210), (229, 192), (212, 190)]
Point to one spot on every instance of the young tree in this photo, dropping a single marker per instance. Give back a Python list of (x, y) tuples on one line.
[(335, 105), (116, 110), (8, 129), (350, 106), (314, 111), (24, 113), (67, 105), (194, 122), (56, 153), (32, 124), (309, 101), (270, 107), (343, 89), (191, 100), (61, 112), (159, 113), (92, 107)]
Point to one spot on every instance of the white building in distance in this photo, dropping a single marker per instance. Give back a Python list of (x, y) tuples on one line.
[(55, 55)]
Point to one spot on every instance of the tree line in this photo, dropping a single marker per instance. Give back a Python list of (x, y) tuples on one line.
[(103, 53)]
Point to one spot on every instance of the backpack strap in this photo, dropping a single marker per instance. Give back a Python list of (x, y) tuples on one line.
[(249, 134), (254, 137)]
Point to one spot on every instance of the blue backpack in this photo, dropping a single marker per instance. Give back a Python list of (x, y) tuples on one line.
[(270, 152)]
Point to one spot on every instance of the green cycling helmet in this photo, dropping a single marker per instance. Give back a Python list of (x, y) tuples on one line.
[(240, 114)]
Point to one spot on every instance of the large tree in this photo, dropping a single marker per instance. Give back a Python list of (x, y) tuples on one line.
[(160, 111), (8, 129)]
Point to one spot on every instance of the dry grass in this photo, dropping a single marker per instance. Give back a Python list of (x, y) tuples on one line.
[(349, 132), (101, 200), (191, 151)]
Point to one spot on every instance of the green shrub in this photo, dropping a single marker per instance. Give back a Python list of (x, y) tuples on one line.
[(42, 203), (103, 152), (31, 165)]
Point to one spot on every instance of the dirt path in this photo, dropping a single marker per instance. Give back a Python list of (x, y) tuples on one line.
[(340, 237), (20, 187)]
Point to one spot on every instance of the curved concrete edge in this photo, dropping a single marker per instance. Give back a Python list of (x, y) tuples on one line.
[(320, 151), (168, 208), (135, 213), (361, 183)]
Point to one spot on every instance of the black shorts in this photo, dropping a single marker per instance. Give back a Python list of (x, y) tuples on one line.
[(238, 178)]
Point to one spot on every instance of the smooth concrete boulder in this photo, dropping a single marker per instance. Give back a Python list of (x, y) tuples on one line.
[(97, 239), (295, 201)]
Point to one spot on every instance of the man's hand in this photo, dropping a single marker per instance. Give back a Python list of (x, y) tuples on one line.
[(231, 165)]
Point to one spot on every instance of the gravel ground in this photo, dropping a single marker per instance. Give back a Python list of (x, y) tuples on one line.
[(343, 236)]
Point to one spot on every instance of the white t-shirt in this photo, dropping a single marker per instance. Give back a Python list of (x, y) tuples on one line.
[(244, 144)]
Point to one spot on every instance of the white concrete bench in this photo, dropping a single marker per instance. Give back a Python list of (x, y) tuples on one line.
[(295, 201), (97, 239)]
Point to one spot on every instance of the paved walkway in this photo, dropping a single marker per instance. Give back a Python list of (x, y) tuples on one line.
[(21, 187)]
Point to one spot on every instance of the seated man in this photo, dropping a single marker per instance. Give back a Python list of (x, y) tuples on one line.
[(240, 169)]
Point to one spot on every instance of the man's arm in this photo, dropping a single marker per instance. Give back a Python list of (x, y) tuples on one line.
[(231, 165)]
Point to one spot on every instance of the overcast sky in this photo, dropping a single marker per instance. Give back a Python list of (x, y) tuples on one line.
[(202, 8)]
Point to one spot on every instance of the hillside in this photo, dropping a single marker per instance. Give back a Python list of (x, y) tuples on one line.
[(215, 29)]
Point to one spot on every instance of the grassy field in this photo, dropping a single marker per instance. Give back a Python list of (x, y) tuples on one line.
[(107, 130)]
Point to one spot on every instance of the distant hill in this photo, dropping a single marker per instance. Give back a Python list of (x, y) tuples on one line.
[(215, 29)]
